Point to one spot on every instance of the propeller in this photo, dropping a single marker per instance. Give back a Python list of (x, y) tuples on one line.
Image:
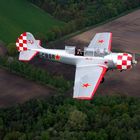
[(134, 61), (135, 57)]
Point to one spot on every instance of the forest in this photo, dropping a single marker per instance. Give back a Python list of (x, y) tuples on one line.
[(59, 117), (68, 10), (62, 118)]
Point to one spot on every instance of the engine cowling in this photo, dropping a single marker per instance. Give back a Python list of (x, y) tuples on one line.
[(124, 61)]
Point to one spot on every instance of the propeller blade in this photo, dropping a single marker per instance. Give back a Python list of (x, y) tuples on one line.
[(134, 61)]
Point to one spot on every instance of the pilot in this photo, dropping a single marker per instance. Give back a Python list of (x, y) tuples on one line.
[(78, 52)]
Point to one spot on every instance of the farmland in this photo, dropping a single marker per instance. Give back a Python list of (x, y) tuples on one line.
[(50, 112), (58, 116), (17, 16), (126, 34)]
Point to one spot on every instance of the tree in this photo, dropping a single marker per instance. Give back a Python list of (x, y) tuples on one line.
[(45, 135), (77, 120), (15, 135), (12, 51), (91, 135)]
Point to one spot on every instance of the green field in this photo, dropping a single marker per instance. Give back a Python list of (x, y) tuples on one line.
[(17, 16)]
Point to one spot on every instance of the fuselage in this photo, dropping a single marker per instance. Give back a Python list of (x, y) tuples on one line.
[(91, 62), (111, 60)]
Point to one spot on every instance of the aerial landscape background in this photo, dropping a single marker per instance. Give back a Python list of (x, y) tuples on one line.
[(36, 97)]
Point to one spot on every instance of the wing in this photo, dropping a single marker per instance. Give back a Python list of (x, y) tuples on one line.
[(87, 80), (101, 41)]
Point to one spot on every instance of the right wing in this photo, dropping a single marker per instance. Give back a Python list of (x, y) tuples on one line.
[(87, 80), (101, 41)]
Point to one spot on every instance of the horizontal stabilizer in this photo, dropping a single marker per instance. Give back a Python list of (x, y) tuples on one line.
[(27, 56)]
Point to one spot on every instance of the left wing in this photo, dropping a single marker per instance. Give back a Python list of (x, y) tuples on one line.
[(87, 80), (101, 41)]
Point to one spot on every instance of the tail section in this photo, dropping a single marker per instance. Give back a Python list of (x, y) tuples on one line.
[(26, 45)]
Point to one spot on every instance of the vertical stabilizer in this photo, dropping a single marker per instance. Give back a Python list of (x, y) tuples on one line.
[(26, 44)]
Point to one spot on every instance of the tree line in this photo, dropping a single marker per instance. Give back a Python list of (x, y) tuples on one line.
[(33, 73), (63, 118), (79, 14)]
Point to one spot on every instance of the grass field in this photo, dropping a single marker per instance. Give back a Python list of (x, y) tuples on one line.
[(17, 16)]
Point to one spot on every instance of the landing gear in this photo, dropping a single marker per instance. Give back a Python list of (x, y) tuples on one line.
[(103, 79)]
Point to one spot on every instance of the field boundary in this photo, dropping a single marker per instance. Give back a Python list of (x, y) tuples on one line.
[(93, 26)]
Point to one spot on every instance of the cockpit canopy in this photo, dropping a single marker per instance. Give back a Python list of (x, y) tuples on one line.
[(70, 49), (86, 52)]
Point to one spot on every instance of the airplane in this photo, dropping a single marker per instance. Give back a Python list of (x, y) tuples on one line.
[(91, 64)]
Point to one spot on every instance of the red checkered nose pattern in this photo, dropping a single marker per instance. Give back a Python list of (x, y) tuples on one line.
[(21, 42), (124, 61)]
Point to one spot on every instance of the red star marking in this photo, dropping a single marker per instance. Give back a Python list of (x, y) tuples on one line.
[(101, 41), (86, 85), (57, 57)]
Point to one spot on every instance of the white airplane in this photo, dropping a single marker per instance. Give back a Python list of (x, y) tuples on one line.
[(91, 64)]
